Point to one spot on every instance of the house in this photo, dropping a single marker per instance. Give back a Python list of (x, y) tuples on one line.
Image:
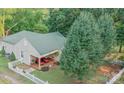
[(32, 47)]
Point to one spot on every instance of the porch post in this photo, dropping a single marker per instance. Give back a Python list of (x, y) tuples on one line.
[(39, 63)]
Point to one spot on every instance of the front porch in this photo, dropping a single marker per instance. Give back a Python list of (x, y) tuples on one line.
[(48, 60)]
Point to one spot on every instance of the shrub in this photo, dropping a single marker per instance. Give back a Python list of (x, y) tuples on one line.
[(57, 63), (12, 57), (45, 68), (2, 52)]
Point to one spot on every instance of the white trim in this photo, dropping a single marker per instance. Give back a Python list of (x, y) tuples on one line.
[(49, 53)]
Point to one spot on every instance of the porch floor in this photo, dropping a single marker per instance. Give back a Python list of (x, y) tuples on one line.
[(50, 64)]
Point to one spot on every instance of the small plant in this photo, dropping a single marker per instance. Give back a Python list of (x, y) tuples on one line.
[(45, 68), (2, 52), (12, 57)]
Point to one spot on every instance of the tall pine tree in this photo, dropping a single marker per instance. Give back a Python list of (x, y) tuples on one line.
[(120, 28), (108, 32), (83, 49)]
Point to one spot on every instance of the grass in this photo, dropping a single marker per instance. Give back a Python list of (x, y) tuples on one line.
[(54, 76), (116, 49), (57, 76), (4, 81), (97, 78), (120, 80), (115, 55), (5, 70)]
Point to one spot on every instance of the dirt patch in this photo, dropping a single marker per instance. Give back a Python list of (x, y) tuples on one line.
[(102, 75), (109, 70)]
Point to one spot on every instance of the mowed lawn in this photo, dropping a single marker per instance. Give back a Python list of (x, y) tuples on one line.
[(120, 80), (54, 76), (6, 71), (57, 76)]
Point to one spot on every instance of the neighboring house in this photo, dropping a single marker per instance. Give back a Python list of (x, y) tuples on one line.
[(27, 45)]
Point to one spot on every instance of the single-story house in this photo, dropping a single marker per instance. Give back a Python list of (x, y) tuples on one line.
[(28, 45)]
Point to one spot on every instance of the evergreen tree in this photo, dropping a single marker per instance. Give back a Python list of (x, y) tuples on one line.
[(3, 51), (12, 57), (97, 12), (108, 32), (62, 19), (120, 37), (120, 28), (83, 49)]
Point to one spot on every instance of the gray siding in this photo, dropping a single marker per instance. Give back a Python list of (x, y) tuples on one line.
[(23, 46), (27, 49), (8, 47)]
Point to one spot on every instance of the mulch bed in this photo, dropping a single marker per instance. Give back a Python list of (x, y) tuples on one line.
[(102, 75)]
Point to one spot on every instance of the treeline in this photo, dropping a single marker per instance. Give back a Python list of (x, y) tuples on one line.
[(62, 19)]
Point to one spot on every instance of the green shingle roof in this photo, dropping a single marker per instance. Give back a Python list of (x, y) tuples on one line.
[(43, 43)]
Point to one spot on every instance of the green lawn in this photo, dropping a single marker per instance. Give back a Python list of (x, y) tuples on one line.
[(4, 81), (54, 76), (120, 80), (5, 70)]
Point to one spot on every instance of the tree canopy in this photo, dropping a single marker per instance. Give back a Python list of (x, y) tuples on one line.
[(15, 20), (62, 19), (120, 28), (108, 32)]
